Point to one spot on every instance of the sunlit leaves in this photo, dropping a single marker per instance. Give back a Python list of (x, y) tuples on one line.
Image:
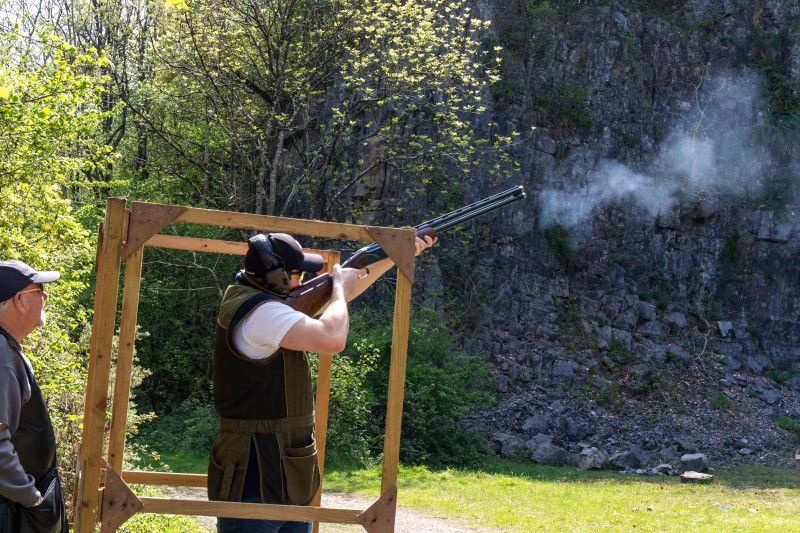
[(49, 116), (300, 99)]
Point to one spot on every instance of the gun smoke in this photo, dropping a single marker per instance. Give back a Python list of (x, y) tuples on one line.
[(709, 153)]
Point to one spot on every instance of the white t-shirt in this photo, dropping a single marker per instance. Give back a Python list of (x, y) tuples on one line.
[(259, 335)]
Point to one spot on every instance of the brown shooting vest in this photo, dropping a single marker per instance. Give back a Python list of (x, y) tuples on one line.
[(266, 411)]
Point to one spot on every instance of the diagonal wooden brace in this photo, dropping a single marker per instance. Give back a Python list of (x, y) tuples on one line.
[(398, 245), (379, 518), (146, 220), (119, 502)]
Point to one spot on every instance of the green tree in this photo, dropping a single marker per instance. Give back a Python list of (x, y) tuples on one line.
[(284, 107), (49, 115)]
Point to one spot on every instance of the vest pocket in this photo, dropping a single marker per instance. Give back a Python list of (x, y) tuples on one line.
[(227, 464), (300, 474)]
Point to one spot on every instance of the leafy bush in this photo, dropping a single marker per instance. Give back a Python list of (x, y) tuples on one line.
[(191, 427), (440, 390), (351, 402)]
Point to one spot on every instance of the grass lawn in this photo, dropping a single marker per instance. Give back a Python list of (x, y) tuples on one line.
[(522, 497), (512, 496)]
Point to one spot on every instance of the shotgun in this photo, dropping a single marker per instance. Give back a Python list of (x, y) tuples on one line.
[(310, 297)]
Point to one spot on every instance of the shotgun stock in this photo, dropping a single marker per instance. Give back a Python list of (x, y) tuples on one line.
[(312, 296)]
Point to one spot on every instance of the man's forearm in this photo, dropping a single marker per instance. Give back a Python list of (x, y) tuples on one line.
[(336, 319), (15, 484), (373, 272)]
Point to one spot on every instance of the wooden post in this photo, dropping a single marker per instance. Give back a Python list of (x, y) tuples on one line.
[(86, 512), (80, 465), (323, 401), (127, 340), (397, 376)]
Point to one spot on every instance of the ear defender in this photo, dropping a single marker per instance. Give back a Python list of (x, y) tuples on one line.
[(277, 281), (276, 278)]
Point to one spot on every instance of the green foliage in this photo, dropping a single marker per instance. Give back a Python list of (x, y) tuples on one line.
[(282, 108), (190, 427), (440, 390), (778, 130), (565, 105), (520, 21), (571, 323), (179, 300), (49, 114), (776, 375), (607, 395), (465, 279), (731, 253), (558, 240), (619, 352), (351, 403), (721, 402), (659, 298), (788, 423), (780, 194), (438, 397)]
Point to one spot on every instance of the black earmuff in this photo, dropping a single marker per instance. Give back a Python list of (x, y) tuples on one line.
[(276, 278)]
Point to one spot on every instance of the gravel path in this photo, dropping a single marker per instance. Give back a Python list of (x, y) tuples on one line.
[(406, 521)]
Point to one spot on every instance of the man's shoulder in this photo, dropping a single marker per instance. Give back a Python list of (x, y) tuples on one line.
[(273, 308), (9, 355), (12, 362)]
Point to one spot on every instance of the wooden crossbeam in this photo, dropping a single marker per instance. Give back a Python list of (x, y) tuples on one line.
[(260, 511)]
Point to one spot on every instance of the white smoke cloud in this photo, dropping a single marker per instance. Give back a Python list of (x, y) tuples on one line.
[(708, 153)]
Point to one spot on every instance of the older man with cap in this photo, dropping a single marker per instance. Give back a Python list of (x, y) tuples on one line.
[(30, 490), (265, 450)]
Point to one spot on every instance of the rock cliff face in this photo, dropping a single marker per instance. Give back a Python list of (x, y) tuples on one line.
[(647, 296)]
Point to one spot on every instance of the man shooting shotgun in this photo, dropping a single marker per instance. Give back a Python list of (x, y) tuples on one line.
[(265, 450)]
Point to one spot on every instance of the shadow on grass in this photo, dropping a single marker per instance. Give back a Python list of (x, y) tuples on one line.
[(741, 478)]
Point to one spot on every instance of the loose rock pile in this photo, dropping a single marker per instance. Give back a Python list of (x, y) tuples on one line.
[(671, 429)]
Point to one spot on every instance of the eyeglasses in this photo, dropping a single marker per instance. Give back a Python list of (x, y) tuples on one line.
[(39, 289), (298, 274)]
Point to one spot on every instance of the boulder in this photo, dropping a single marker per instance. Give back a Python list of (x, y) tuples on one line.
[(591, 459), (575, 429), (506, 444), (537, 423), (695, 477), (550, 454), (697, 462)]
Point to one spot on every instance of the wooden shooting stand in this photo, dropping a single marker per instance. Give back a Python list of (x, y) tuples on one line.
[(102, 491)]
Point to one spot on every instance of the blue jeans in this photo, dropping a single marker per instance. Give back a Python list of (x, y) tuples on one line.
[(248, 525)]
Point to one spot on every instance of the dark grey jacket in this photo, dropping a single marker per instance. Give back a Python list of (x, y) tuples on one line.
[(27, 442)]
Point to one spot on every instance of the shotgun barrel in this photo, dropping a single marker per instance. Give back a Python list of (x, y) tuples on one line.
[(312, 296), (373, 252), (514, 193)]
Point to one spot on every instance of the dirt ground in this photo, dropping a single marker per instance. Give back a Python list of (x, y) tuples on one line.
[(406, 521)]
